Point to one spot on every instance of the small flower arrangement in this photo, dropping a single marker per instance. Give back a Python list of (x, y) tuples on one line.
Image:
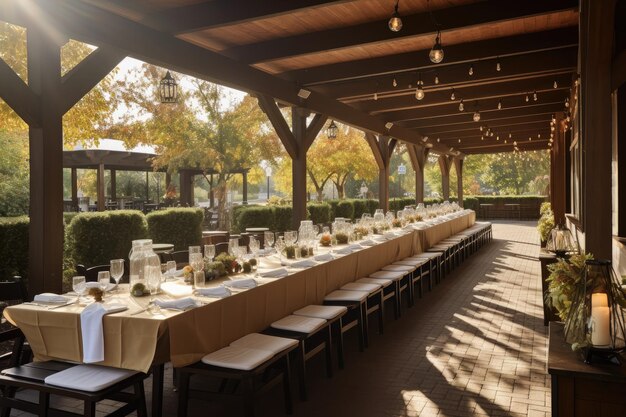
[(326, 240), (139, 290), (396, 223), (290, 252), (341, 238), (361, 231), (231, 266)]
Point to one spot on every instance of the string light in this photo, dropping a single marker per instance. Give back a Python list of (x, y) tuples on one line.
[(555, 85), (375, 96), (436, 79), (461, 106), (498, 66), (471, 70), (534, 95), (419, 92), (567, 102), (395, 23), (394, 82), (452, 97), (499, 105), (527, 99), (436, 53)]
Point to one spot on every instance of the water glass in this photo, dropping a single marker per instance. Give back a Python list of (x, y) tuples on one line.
[(104, 279), (209, 252), (171, 267), (194, 249), (268, 239), (153, 278), (196, 261), (198, 279), (78, 286), (117, 270)]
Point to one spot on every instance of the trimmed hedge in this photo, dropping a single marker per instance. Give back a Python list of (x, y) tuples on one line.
[(96, 238), (13, 246), (360, 207), (282, 218), (345, 208), (180, 226), (276, 218), (319, 213)]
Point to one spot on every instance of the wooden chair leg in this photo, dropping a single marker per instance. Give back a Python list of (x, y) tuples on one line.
[(302, 372), (365, 321), (381, 313), (44, 404), (287, 386), (183, 393), (140, 394), (248, 396), (7, 392), (328, 351), (89, 409), (339, 343), (157, 390)]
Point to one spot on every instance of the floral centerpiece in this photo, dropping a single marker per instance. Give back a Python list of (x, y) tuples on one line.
[(565, 278), (342, 238), (396, 222), (326, 240)]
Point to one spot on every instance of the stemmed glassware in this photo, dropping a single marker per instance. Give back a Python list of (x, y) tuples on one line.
[(290, 237), (78, 286), (104, 279), (280, 246), (196, 261), (117, 270), (268, 239), (209, 252)]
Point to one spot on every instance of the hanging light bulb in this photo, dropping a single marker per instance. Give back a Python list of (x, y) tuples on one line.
[(505, 141), (514, 143), (499, 105), (459, 140), (482, 137), (553, 118), (530, 139), (419, 92), (471, 70), (394, 82), (538, 135), (461, 106), (527, 99), (452, 97), (498, 66), (395, 23), (568, 118), (436, 53), (555, 85), (438, 140), (510, 135), (436, 79), (476, 116), (567, 102), (534, 96), (375, 96), (498, 137), (481, 128)]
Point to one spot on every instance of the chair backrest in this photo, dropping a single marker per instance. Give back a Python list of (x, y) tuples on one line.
[(181, 256), (91, 274), (12, 291), (221, 248), (215, 239)]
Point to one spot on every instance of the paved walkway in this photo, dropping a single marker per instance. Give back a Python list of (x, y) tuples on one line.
[(475, 346)]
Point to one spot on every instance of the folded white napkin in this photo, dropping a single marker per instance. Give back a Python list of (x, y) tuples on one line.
[(389, 235), (215, 292), (91, 329), (275, 273), (241, 283), (344, 251), (176, 289), (48, 297), (96, 284), (355, 246), (180, 304), (324, 257), (304, 263), (368, 242)]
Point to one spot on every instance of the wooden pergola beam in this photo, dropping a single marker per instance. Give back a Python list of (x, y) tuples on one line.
[(519, 132), (420, 24), (271, 109), (515, 67), (495, 124), (418, 60), (18, 95), (212, 14), (88, 73)]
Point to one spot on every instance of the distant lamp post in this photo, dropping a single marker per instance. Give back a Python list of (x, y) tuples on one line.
[(364, 190), (268, 174), (168, 89), (331, 130), (401, 173)]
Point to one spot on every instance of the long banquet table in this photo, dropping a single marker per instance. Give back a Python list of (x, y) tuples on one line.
[(139, 341)]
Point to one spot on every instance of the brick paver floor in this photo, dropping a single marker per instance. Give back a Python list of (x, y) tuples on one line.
[(474, 346)]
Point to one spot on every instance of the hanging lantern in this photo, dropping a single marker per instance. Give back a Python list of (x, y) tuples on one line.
[(168, 89), (595, 323), (561, 243), (331, 130)]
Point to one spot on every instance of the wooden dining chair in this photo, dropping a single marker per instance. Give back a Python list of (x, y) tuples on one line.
[(13, 292), (91, 274)]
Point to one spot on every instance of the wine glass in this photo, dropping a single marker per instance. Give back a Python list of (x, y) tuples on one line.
[(104, 279), (280, 246), (171, 267), (209, 252), (117, 270), (268, 239), (78, 285), (194, 249), (290, 237), (153, 278)]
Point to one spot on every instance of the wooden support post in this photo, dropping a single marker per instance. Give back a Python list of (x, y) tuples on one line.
[(458, 166), (297, 142), (558, 169), (444, 166), (45, 241), (113, 173), (596, 50), (74, 181), (100, 187), (185, 188), (244, 174), (620, 143), (418, 157), (147, 186), (211, 193), (382, 148)]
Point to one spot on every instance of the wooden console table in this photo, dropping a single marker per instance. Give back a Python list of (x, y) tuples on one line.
[(582, 390), (546, 258)]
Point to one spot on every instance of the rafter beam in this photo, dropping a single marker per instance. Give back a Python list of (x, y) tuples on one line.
[(495, 90), (419, 61), (90, 24), (18, 95), (512, 68), (469, 15), (211, 14), (505, 123), (477, 150), (502, 131), (87, 74)]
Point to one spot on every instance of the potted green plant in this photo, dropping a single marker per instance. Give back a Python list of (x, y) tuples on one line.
[(544, 226)]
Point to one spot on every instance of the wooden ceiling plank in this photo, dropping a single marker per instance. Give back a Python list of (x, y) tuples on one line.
[(468, 15), (543, 118), (475, 130), (18, 95), (514, 67), (211, 14), (418, 60), (87, 74), (486, 118)]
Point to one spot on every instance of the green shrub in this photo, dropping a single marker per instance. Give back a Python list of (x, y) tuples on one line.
[(181, 227), (345, 209), (545, 225), (333, 208), (429, 201), (68, 216), (319, 212), (545, 208), (252, 216), (396, 204), (471, 203), (13, 246), (282, 218), (96, 238), (372, 206), (360, 207)]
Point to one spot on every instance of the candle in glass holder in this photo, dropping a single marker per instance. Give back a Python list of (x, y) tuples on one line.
[(599, 299), (600, 319)]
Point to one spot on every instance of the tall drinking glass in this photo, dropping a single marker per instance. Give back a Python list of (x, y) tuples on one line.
[(195, 249), (209, 252), (117, 270), (104, 279), (78, 285), (268, 238)]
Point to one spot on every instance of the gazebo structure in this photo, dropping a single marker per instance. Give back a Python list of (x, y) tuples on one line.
[(535, 75), (110, 155)]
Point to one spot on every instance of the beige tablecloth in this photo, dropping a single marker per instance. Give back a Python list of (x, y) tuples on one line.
[(137, 341)]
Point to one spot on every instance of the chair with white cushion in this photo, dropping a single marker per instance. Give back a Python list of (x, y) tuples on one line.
[(356, 302), (374, 300), (408, 271), (256, 363), (389, 290), (334, 316), (400, 283), (87, 383), (435, 261), (421, 272), (313, 336)]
